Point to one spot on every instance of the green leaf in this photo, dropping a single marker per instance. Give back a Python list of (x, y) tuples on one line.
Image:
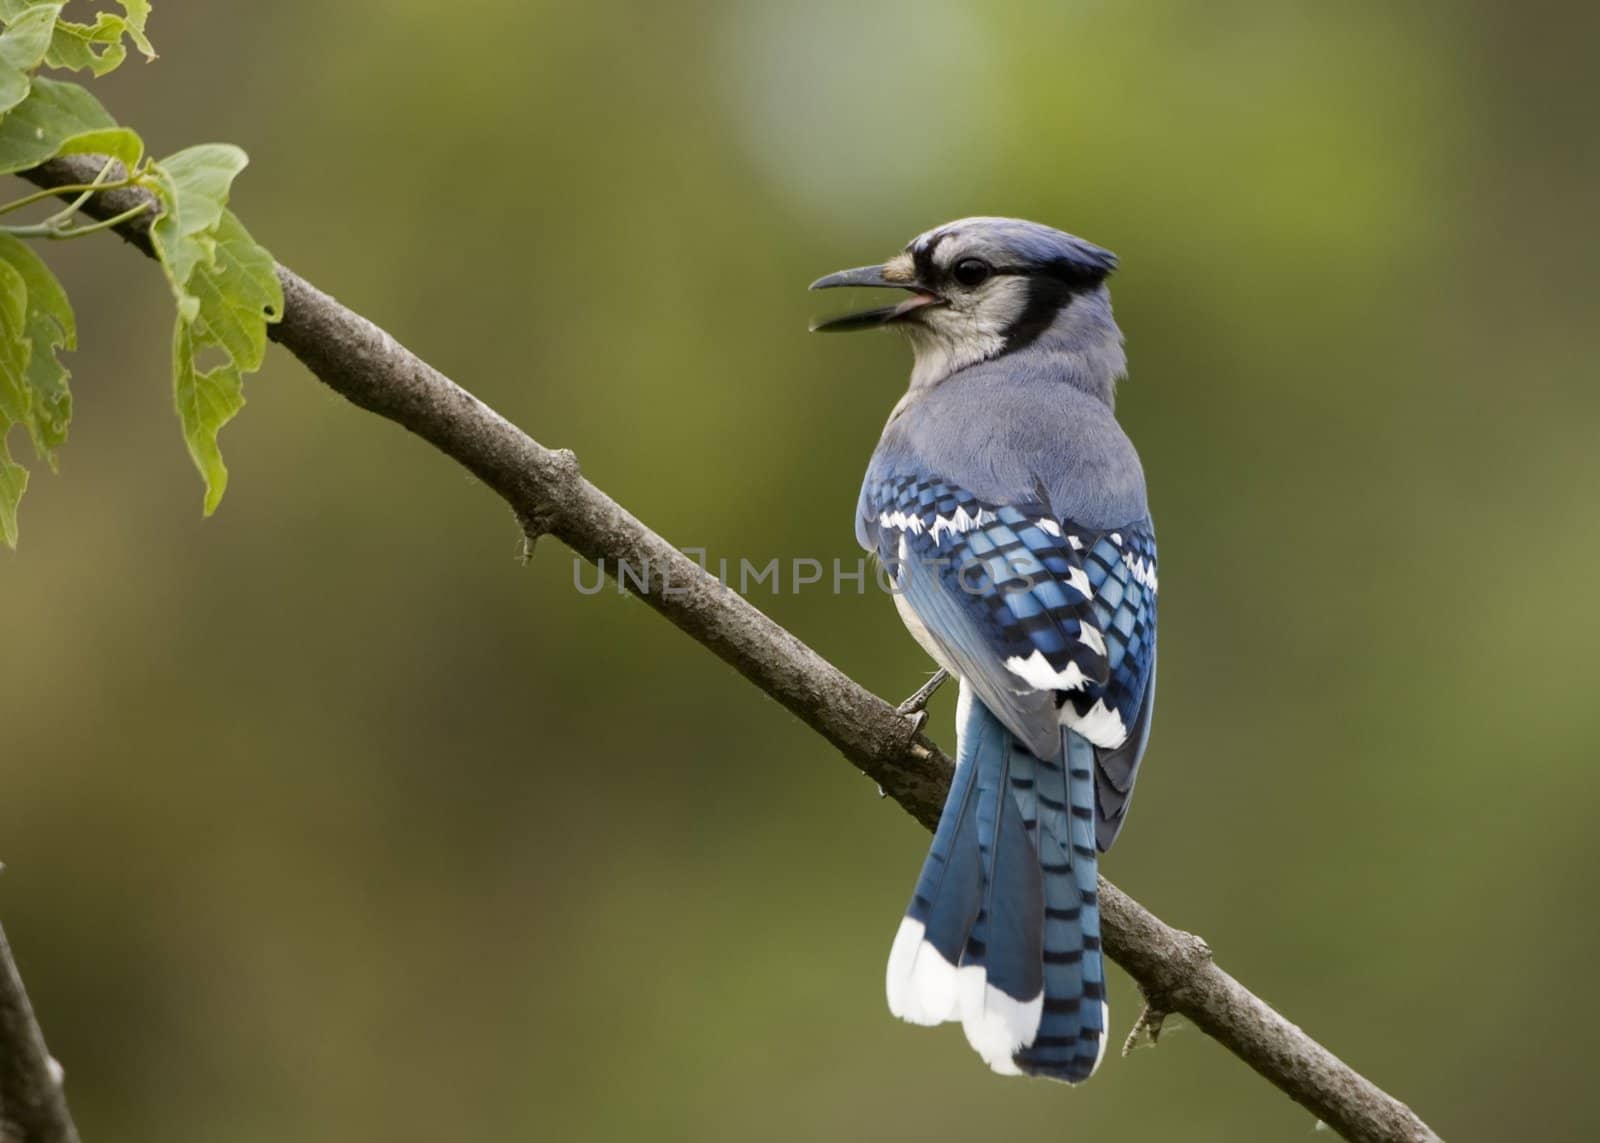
[(15, 396), (59, 118), (193, 186), (138, 14), (206, 401), (47, 377), (11, 10), (22, 49), (13, 483), (38, 127), (98, 47), (226, 288), (48, 326), (239, 294), (122, 143)]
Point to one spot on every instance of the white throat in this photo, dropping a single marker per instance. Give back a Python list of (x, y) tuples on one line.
[(1082, 346), (937, 355), (950, 338)]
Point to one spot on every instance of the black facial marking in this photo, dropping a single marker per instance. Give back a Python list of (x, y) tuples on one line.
[(1051, 289), (1047, 297), (922, 256), (1077, 276)]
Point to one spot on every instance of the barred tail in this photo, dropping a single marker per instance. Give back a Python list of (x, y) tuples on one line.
[(1003, 931), (1071, 1039)]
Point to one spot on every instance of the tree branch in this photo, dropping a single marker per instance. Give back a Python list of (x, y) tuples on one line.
[(33, 1108), (549, 495)]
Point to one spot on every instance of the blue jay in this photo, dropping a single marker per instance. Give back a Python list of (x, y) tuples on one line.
[(1009, 507)]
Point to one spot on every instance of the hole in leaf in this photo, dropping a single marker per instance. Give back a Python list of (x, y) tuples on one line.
[(209, 357)]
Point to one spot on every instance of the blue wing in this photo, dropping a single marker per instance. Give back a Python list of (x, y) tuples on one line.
[(1122, 572), (998, 592), (1051, 623)]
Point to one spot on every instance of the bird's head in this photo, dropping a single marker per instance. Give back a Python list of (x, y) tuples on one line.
[(980, 287)]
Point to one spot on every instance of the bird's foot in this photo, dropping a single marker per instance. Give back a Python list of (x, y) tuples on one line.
[(916, 707), (1146, 1030)]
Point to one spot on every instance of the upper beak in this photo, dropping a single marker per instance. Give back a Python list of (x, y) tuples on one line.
[(872, 276)]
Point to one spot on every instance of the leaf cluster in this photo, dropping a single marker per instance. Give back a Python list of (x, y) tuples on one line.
[(224, 285)]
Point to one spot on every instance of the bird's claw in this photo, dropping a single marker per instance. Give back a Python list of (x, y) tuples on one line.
[(916, 706), (1146, 1030)]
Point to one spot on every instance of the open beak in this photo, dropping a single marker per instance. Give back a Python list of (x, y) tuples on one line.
[(873, 277)]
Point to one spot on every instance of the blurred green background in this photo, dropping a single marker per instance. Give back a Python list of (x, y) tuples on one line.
[(325, 819)]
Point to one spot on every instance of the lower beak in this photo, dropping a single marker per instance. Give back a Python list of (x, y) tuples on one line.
[(872, 277)]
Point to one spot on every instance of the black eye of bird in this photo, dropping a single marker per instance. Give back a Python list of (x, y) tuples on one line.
[(971, 272)]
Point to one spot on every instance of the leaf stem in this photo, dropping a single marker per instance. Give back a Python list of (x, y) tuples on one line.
[(64, 215), (59, 233), (86, 190)]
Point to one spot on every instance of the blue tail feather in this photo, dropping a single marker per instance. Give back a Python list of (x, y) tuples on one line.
[(921, 978), (1005, 943), (1003, 931), (1002, 986), (1072, 1030)]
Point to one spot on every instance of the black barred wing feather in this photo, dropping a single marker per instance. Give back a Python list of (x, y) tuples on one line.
[(996, 593), (1052, 624), (1122, 573)]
